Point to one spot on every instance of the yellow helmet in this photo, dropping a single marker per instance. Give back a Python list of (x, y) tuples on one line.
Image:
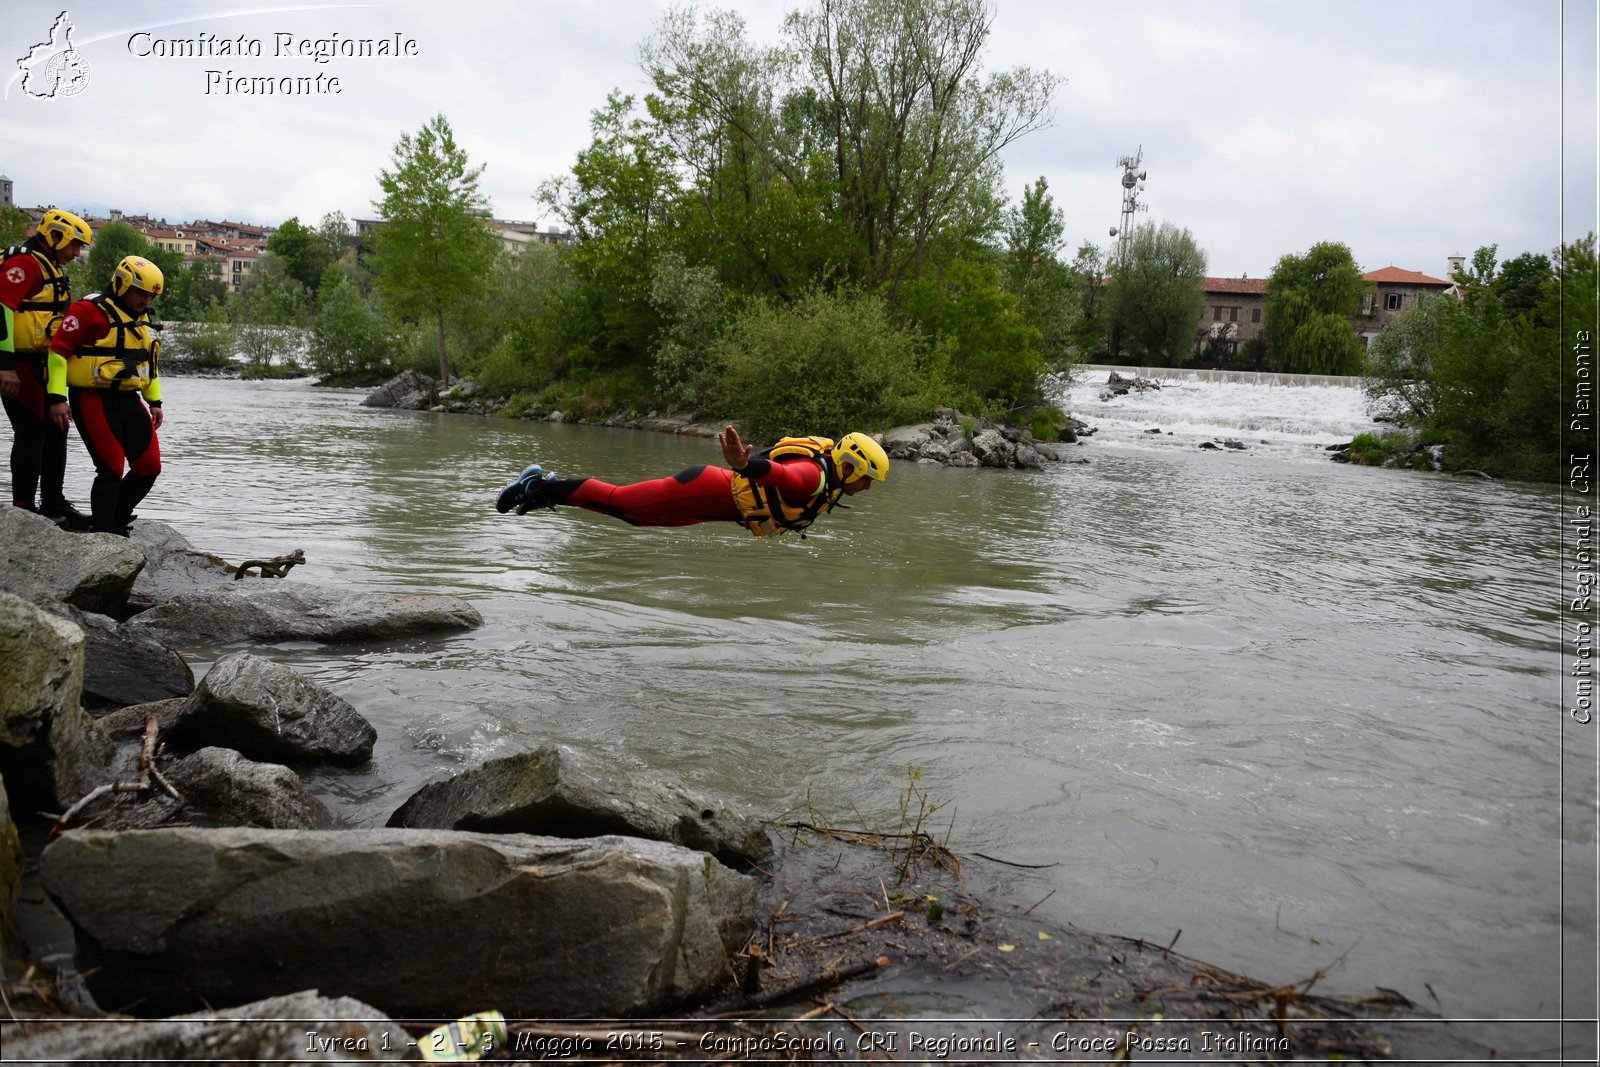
[(861, 455), (136, 272), (59, 228)]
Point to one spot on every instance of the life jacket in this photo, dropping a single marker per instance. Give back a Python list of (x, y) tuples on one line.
[(125, 358), (765, 513), (37, 317)]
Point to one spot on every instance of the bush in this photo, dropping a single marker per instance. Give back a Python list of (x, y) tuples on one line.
[(831, 363)]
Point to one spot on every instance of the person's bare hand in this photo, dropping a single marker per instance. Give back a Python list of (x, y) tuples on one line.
[(10, 384), (60, 414), (734, 451), (156, 417)]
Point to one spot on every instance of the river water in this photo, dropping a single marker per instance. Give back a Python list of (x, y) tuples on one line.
[(1305, 713)]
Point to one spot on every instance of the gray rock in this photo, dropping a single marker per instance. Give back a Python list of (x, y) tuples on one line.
[(128, 723), (907, 440), (410, 390), (299, 1027), (1027, 458), (12, 860), (278, 610), (560, 792), (993, 450), (122, 666), (414, 922), (241, 792), (267, 711), (936, 452), (51, 752), (173, 566), (40, 562), (963, 459)]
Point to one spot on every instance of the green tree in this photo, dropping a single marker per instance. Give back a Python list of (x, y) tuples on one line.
[(618, 203), (193, 291), (1156, 294), (1312, 300), (1034, 272), (987, 354), (828, 363), (434, 250), (269, 312), (349, 338), (1088, 275), (878, 109), (114, 242), (303, 251), (14, 226)]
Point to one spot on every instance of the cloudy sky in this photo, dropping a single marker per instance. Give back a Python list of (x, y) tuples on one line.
[(1409, 130)]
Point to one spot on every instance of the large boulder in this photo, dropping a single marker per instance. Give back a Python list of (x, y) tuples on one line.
[(12, 859), (122, 666), (560, 792), (298, 1027), (40, 562), (414, 922), (51, 752), (240, 792), (993, 450), (268, 711), (173, 566), (410, 390), (274, 610)]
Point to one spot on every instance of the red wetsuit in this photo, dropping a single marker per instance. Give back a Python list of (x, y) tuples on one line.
[(38, 448), (699, 494), (116, 426)]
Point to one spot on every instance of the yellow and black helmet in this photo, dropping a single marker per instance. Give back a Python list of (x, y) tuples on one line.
[(857, 454), (59, 228), (136, 272)]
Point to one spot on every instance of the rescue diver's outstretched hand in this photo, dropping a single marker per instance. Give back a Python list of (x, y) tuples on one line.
[(736, 453)]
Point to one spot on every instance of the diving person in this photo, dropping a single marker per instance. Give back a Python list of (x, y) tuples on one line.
[(783, 488), (104, 365), (34, 295)]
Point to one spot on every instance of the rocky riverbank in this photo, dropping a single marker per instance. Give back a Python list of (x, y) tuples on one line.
[(950, 438), (170, 828)]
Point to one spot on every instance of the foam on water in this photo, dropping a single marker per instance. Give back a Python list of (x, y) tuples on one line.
[(1291, 421)]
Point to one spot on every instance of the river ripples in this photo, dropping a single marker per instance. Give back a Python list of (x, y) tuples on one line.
[(1304, 713)]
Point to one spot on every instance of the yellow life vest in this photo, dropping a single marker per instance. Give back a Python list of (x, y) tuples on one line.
[(765, 513), (125, 358), (37, 317)]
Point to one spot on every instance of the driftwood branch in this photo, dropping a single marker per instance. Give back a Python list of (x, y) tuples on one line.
[(830, 977), (147, 771)]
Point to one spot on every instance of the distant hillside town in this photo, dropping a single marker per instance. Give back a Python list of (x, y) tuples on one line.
[(236, 246)]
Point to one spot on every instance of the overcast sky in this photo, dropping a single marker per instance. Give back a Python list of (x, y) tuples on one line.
[(1409, 130)]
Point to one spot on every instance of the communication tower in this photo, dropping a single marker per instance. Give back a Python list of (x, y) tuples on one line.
[(1132, 186)]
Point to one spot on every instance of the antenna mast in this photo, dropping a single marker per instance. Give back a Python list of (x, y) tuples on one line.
[(1132, 186)]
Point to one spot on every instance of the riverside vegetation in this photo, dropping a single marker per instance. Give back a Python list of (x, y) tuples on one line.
[(814, 234)]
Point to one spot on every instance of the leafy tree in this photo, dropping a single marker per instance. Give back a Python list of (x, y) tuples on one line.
[(617, 202), (877, 108), (1311, 302), (1521, 282), (1157, 294), (434, 249), (267, 312), (193, 291), (334, 234), (349, 337), (828, 363), (690, 303), (14, 226), (990, 356), (1034, 272), (303, 251), (1482, 374), (1088, 273)]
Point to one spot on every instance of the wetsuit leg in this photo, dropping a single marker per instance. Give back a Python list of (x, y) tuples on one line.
[(31, 438), (699, 494), (96, 421)]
